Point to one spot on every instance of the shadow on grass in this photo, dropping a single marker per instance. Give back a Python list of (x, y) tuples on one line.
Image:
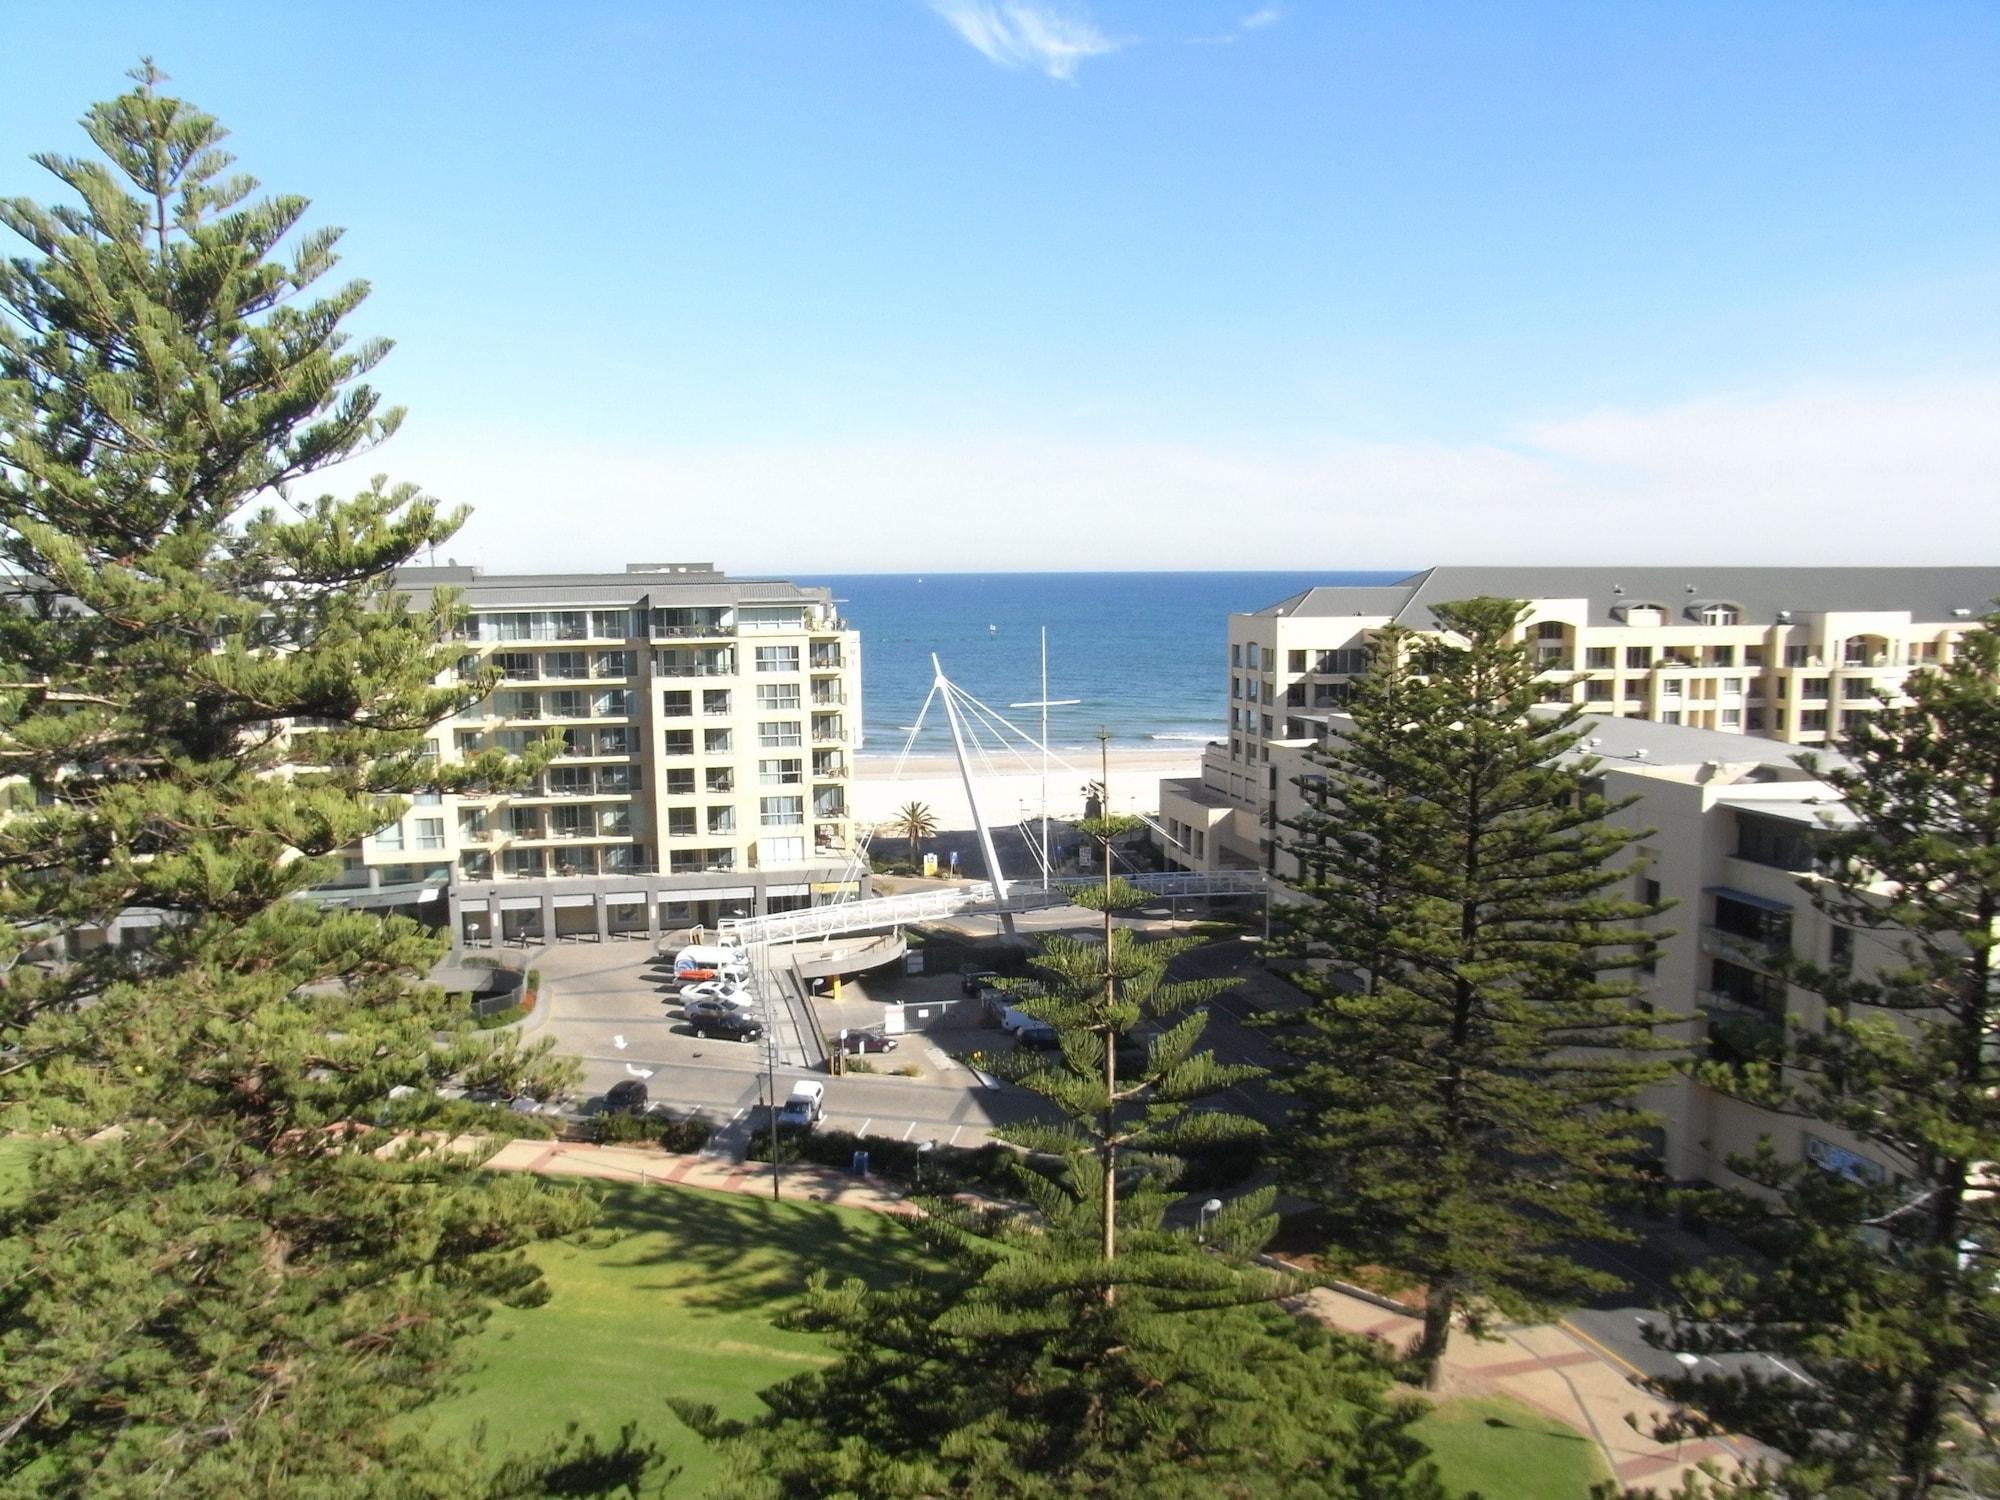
[(744, 1252)]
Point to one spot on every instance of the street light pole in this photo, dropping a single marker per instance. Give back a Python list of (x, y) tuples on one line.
[(1202, 1215)]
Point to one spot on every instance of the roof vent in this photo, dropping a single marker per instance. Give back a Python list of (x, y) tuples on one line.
[(1617, 588), (1784, 616), (1961, 612), (1691, 588), (1640, 753)]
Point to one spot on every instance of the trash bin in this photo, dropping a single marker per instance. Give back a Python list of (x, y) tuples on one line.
[(860, 1164)]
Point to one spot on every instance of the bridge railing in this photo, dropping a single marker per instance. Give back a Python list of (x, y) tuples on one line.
[(977, 898)]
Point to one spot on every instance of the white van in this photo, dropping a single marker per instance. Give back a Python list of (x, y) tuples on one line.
[(712, 961)]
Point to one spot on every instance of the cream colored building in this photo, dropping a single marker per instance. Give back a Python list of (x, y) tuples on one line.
[(707, 726), (1792, 654), (1732, 822)]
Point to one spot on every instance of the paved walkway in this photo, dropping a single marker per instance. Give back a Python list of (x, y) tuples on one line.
[(1554, 1368)]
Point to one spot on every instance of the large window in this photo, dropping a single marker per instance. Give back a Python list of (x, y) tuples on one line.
[(779, 734), (781, 812), (1764, 841), (430, 833), (777, 695), (777, 658), (780, 772)]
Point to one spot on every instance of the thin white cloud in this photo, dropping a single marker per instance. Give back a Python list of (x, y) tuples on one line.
[(1257, 20), (1882, 473), (1016, 34)]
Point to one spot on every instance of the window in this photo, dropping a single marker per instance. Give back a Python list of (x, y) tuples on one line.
[(717, 742), (722, 820), (1852, 719), (1840, 948), (1857, 687), (1635, 688), (564, 665), (618, 780), (1732, 718), (1236, 687), (1670, 687), (1638, 658), (1812, 720), (1766, 842), (615, 704), (1295, 661), (680, 783), (1235, 653), (1548, 630), (567, 705), (1295, 695), (427, 799), (1813, 687), (777, 695), (430, 833), (614, 742), (388, 838), (781, 852), (779, 734), (1671, 716), (1754, 721), (615, 664), (1721, 656), (524, 822), (780, 772), (677, 704), (521, 862), (1600, 658), (1720, 614), (1270, 726), (717, 779), (1753, 656), (680, 823), (715, 700), (568, 781), (1769, 929), (611, 624), (777, 658), (1597, 692), (781, 812), (772, 617), (1798, 656), (678, 742), (1347, 661)]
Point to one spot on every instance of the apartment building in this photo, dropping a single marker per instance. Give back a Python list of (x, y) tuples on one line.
[(1798, 655), (706, 725), (1726, 825)]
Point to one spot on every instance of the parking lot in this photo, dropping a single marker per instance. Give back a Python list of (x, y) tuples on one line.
[(611, 1006)]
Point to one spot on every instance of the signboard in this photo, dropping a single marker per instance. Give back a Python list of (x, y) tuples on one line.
[(930, 866), (913, 962)]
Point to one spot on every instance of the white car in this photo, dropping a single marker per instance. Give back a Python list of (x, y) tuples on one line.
[(722, 992)]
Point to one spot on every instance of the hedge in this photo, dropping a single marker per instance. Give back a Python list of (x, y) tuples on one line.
[(684, 1134), (990, 1166)]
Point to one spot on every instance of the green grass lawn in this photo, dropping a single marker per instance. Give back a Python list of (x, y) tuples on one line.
[(677, 1299), (1501, 1447), (679, 1302)]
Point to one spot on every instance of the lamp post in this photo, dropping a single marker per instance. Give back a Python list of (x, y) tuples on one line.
[(1206, 1212)]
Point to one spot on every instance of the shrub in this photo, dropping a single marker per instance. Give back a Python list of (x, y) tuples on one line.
[(686, 1135)]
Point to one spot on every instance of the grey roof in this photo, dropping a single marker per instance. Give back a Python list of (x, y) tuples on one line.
[(480, 590), (1678, 745), (1930, 595)]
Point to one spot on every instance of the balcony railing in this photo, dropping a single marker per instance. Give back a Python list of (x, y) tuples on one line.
[(687, 632)]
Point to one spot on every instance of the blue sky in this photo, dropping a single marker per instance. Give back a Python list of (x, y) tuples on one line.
[(894, 284)]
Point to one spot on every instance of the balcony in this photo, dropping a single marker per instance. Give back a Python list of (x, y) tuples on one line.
[(691, 632), (1758, 952), (828, 700)]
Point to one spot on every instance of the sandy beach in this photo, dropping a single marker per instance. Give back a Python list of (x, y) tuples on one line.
[(1013, 792)]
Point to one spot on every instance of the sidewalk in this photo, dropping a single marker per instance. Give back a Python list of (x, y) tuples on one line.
[(1554, 1368), (799, 1182)]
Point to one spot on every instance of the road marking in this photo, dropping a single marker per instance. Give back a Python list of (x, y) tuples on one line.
[(1611, 1354), (864, 1125), (909, 1129), (618, 1042), (954, 1136)]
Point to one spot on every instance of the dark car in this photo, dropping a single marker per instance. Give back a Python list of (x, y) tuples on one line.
[(976, 980), (736, 1027), (1038, 1036), (870, 1040), (626, 1097)]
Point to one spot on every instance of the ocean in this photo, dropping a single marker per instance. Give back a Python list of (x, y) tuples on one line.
[(1145, 652)]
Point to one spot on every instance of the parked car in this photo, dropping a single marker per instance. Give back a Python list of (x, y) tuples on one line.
[(1039, 1035), (626, 1097), (802, 1110), (736, 1026), (976, 980), (704, 1009), (711, 962), (870, 1040), (716, 989)]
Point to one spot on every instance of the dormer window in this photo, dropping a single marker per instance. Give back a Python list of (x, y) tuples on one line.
[(1642, 614), (1721, 614)]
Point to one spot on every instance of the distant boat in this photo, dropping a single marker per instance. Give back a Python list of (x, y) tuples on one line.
[(992, 629)]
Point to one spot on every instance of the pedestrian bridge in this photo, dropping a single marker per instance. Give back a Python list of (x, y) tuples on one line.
[(971, 900)]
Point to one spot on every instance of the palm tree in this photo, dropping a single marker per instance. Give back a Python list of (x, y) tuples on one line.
[(915, 822)]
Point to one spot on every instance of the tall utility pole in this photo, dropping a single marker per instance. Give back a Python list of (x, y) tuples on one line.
[(1045, 703), (1110, 1040)]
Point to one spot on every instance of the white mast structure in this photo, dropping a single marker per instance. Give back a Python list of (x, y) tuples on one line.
[(944, 690), (1045, 703)]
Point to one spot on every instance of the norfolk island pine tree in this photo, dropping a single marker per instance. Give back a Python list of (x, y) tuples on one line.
[(243, 1281), (1465, 1079), (1880, 1290), (1084, 1346)]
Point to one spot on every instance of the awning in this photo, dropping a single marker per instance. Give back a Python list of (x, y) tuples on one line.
[(1762, 903), (626, 898), (788, 890), (585, 900), (472, 903)]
